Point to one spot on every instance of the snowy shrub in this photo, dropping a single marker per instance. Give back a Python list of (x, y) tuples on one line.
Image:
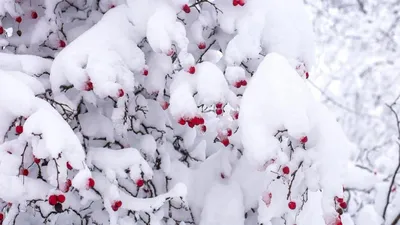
[(164, 112)]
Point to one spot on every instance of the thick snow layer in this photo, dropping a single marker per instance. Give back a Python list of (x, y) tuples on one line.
[(287, 109), (277, 26), (29, 64), (223, 205), (108, 63)]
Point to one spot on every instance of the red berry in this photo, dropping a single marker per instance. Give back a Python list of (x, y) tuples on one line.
[(1, 216), (19, 129), (304, 139), (307, 75), (340, 200), (88, 86), (68, 183), (218, 105), (69, 166), (1, 30), (286, 170), (241, 2), (225, 142), (52, 199), (18, 19), (165, 105), (343, 205), (218, 111), (25, 172), (145, 72), (201, 120), (90, 183), (235, 2), (229, 132), (114, 207), (61, 44), (237, 84), (292, 205), (243, 82), (36, 160), (201, 45), (186, 8), (192, 70), (190, 124), (139, 182), (34, 15), (121, 93), (170, 52), (61, 198), (182, 121), (203, 128), (235, 115), (118, 203)]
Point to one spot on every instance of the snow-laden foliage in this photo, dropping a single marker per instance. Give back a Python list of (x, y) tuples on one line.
[(358, 78), (165, 112)]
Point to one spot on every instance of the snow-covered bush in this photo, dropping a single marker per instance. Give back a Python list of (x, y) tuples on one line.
[(357, 78), (164, 112)]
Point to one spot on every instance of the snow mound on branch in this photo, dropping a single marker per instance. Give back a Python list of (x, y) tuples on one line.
[(106, 54), (277, 26), (56, 137), (285, 100), (117, 161), (29, 64), (24, 98), (163, 29)]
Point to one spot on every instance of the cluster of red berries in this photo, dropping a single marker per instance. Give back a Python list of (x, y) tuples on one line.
[(195, 121), (218, 108), (238, 2), (341, 202), (223, 137), (116, 205), (54, 199), (240, 83)]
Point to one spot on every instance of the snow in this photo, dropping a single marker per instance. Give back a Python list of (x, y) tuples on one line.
[(274, 77), (125, 134), (228, 197)]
